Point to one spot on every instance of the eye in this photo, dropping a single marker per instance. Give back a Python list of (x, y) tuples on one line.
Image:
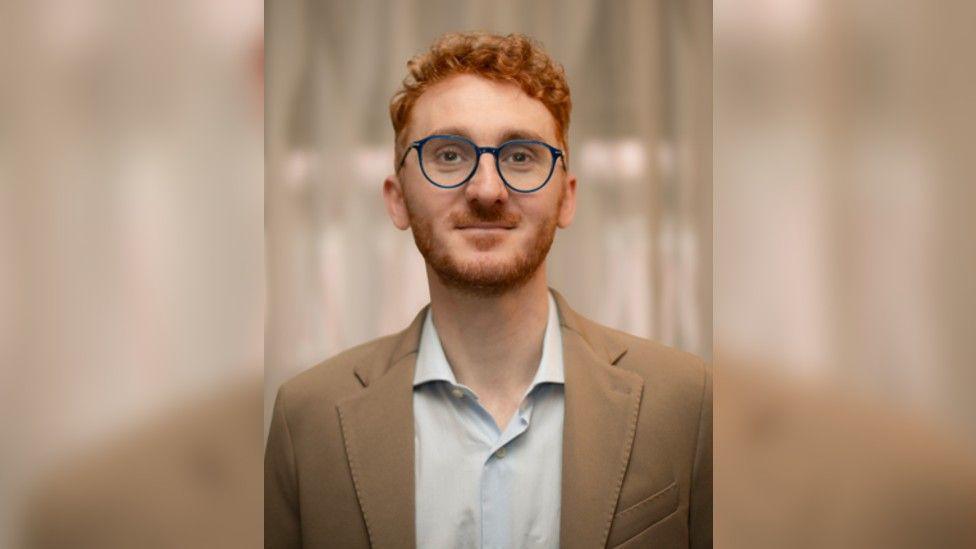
[(450, 155), (519, 156)]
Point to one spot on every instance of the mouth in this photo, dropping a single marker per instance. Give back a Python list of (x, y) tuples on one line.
[(486, 227)]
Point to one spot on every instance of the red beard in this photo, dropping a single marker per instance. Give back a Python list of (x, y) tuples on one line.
[(483, 278)]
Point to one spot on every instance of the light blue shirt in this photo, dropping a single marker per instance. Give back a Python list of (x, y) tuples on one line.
[(477, 486)]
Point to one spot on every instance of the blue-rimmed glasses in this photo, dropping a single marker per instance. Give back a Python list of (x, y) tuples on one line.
[(449, 161)]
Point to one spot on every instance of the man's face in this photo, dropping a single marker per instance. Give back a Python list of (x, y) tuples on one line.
[(481, 237)]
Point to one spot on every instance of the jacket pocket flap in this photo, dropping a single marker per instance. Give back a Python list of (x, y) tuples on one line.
[(643, 514)]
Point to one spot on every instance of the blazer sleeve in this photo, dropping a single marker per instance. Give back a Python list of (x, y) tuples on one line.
[(282, 519), (700, 516)]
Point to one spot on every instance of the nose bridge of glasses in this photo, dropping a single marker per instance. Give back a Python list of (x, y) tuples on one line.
[(488, 185), (491, 151)]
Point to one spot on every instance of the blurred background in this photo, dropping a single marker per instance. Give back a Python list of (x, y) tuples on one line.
[(842, 131), (131, 261), (845, 273), (638, 255)]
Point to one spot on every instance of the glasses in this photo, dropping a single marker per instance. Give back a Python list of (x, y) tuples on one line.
[(449, 161)]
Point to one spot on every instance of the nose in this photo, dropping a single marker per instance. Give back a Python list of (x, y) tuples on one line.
[(486, 185)]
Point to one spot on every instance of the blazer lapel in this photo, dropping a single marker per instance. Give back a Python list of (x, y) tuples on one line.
[(378, 431), (601, 406)]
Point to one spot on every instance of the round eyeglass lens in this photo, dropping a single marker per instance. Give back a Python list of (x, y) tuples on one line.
[(525, 165), (448, 162)]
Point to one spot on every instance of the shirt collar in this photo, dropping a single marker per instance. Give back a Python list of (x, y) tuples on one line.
[(432, 364)]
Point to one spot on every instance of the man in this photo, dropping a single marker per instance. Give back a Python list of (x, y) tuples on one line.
[(499, 417)]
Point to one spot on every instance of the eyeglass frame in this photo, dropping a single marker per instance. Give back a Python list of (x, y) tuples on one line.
[(479, 151)]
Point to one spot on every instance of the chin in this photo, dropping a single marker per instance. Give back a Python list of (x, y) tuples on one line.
[(487, 251), (482, 262), (484, 277)]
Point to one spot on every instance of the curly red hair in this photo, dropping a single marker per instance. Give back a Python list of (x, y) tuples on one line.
[(515, 58)]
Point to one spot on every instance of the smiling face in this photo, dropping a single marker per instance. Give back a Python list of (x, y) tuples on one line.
[(480, 237)]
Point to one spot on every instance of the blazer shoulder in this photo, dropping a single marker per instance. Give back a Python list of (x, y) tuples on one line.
[(657, 363), (335, 378)]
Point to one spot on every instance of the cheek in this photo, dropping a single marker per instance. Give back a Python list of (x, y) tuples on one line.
[(541, 210), (432, 207)]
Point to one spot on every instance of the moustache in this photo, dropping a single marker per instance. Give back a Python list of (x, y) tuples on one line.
[(485, 215)]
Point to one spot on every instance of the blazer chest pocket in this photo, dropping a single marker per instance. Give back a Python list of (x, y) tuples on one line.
[(640, 516)]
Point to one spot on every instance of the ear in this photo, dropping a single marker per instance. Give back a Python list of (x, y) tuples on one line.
[(396, 206), (567, 209)]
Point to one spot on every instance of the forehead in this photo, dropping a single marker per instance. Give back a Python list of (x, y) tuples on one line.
[(485, 110)]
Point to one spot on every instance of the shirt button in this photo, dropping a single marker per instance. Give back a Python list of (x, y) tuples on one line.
[(500, 453), (457, 392)]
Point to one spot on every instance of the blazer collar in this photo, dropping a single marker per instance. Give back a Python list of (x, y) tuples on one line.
[(595, 336), (404, 349), (601, 406)]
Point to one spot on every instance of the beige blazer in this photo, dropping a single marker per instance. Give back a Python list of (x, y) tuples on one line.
[(637, 445)]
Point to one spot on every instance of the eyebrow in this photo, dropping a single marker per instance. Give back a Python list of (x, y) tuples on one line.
[(507, 135)]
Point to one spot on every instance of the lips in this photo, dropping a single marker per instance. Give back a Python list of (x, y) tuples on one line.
[(486, 226)]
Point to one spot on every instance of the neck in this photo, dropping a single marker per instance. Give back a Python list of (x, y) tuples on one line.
[(493, 343)]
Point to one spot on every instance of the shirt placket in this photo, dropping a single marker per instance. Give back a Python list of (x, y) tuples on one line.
[(498, 482)]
